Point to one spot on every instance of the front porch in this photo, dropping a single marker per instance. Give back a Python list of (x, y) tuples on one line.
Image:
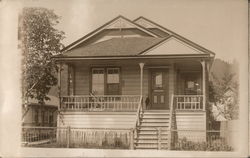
[(120, 85), (145, 96)]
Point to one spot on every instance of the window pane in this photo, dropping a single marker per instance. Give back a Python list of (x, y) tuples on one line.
[(98, 81), (113, 75), (158, 79), (155, 99), (162, 98)]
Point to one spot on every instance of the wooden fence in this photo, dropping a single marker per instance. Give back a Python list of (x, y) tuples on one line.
[(67, 137), (101, 138)]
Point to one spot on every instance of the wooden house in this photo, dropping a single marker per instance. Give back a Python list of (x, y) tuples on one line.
[(41, 115), (136, 75)]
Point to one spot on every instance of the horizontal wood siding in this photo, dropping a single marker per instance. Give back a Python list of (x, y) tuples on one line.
[(131, 80), (189, 122), (82, 80), (98, 120)]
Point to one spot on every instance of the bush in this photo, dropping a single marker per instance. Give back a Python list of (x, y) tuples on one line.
[(215, 145)]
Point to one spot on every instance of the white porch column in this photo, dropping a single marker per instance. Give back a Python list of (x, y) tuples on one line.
[(203, 63), (59, 84), (141, 67)]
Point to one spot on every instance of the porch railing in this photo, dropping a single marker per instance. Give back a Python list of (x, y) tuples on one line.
[(188, 102), (100, 103)]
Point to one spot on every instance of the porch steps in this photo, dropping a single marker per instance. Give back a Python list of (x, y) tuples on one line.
[(147, 132)]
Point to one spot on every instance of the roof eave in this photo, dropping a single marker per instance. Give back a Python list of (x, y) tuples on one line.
[(174, 56)]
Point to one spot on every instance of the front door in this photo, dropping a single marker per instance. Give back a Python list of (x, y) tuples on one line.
[(159, 90)]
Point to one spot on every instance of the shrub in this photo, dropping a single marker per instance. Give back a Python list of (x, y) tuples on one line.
[(215, 145)]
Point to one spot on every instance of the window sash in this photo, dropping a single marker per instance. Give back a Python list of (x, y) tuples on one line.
[(113, 75), (98, 81)]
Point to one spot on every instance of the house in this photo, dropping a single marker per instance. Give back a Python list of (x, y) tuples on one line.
[(135, 75), (37, 115)]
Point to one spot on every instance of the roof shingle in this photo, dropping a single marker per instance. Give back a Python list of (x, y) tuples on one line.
[(116, 47)]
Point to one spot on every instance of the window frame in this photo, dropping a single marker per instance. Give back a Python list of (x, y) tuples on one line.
[(105, 68)]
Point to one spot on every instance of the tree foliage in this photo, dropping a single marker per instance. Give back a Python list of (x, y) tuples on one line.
[(224, 93), (40, 40)]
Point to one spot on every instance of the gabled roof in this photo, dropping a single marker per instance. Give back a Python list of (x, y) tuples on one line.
[(117, 22), (172, 46), (116, 47), (157, 38), (150, 24)]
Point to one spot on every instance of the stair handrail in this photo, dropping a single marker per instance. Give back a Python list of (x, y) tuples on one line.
[(139, 109), (170, 120)]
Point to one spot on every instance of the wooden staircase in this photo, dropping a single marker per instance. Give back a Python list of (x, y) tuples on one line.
[(153, 131)]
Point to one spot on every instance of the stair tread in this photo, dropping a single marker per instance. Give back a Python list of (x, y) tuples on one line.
[(154, 121), (141, 142), (153, 125), (164, 139), (152, 133), (156, 113), (152, 128), (155, 117), (155, 146)]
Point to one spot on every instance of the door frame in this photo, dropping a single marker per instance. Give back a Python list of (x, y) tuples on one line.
[(150, 69)]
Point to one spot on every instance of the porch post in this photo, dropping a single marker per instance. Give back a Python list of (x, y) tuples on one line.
[(141, 67), (203, 63), (59, 84)]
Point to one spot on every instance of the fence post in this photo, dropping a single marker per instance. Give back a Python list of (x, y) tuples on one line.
[(132, 139), (68, 136), (159, 138)]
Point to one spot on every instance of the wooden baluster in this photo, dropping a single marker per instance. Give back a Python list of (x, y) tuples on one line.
[(132, 139)]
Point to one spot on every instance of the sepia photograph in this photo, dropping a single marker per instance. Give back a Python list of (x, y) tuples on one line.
[(123, 78)]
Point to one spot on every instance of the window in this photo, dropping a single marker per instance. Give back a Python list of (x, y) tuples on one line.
[(106, 81), (192, 83), (36, 113), (46, 119), (98, 81), (113, 75), (51, 117), (113, 81)]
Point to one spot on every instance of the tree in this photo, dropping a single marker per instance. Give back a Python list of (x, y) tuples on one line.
[(39, 41), (224, 94)]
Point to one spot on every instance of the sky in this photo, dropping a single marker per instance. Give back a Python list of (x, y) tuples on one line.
[(218, 25)]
